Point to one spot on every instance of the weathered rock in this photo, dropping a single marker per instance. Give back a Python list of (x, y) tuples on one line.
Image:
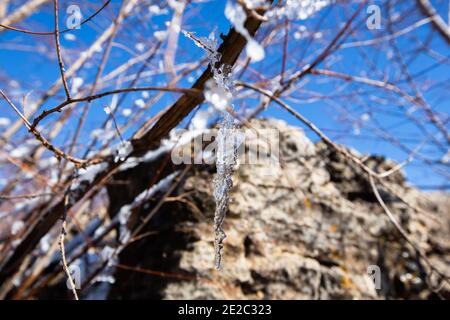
[(309, 228)]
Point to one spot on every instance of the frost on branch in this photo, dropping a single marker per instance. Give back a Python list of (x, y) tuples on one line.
[(237, 16), (296, 9), (291, 9), (219, 94), (125, 211), (122, 151)]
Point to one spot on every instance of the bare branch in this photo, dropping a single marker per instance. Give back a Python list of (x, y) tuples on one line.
[(58, 51), (440, 25)]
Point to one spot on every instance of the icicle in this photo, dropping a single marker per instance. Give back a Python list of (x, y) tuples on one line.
[(218, 93), (225, 161)]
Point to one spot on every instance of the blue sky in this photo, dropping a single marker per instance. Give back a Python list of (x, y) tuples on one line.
[(35, 71)]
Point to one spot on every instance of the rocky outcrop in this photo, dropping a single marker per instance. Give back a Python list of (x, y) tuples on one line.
[(307, 228)]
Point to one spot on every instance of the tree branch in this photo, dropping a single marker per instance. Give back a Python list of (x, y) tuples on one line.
[(439, 24)]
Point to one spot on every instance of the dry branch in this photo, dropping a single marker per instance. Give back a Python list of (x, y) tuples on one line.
[(230, 49)]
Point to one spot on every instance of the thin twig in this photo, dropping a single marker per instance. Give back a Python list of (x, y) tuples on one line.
[(187, 91), (308, 123), (438, 23), (25, 196), (50, 33), (62, 248), (56, 151), (21, 13), (58, 51), (21, 115), (403, 231)]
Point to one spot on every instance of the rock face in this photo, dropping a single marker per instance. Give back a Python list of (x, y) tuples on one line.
[(306, 228)]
